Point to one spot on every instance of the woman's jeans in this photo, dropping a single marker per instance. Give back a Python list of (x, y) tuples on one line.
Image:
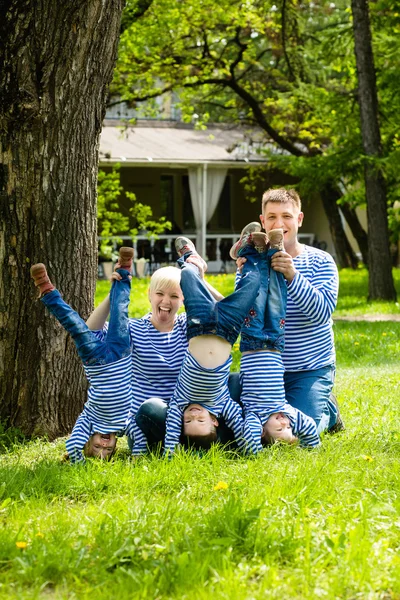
[(264, 326), (91, 350)]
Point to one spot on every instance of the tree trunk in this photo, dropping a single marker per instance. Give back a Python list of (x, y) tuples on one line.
[(345, 256), (381, 285), (357, 230), (56, 62)]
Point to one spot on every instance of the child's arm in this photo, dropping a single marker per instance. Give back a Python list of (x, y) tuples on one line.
[(173, 427), (233, 415), (306, 430), (138, 438), (76, 442), (252, 432)]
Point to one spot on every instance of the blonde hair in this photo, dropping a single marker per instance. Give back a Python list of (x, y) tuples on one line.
[(165, 278), (281, 195)]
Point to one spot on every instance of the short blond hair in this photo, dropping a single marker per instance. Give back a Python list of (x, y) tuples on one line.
[(165, 278), (281, 195)]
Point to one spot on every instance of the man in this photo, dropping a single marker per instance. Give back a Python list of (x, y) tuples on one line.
[(312, 286)]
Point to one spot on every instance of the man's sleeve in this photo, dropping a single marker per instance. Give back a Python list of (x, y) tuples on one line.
[(306, 430), (316, 299), (137, 436)]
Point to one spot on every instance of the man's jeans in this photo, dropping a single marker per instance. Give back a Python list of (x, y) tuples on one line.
[(91, 350), (264, 326), (207, 316), (309, 391)]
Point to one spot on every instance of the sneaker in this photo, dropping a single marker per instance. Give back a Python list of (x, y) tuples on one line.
[(339, 425), (125, 258), (275, 237), (245, 239), (41, 279), (259, 239), (183, 245)]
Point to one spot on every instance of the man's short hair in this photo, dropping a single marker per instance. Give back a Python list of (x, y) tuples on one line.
[(201, 441), (280, 195)]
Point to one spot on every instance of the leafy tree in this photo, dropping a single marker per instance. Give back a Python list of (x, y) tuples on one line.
[(288, 68), (111, 222), (56, 63)]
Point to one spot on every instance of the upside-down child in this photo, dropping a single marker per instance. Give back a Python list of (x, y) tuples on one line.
[(107, 365), (202, 395), (267, 416)]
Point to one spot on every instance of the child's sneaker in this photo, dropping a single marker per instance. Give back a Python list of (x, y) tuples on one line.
[(183, 245), (259, 239), (41, 279), (245, 238), (125, 258), (275, 237)]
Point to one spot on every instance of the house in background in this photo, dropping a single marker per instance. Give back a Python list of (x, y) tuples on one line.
[(193, 178)]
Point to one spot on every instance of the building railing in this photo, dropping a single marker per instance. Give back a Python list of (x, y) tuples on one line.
[(151, 253)]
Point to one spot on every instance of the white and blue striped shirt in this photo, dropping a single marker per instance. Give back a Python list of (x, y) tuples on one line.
[(311, 300), (263, 394), (157, 358), (208, 388), (108, 407)]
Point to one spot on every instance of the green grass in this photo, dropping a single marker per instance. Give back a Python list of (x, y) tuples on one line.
[(288, 523)]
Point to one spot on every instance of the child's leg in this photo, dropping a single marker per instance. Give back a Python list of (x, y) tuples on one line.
[(118, 338), (90, 349), (264, 326)]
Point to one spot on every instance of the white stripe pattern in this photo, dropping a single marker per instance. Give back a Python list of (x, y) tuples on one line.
[(207, 387)]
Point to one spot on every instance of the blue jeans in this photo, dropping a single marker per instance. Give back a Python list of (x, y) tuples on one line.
[(309, 391), (207, 316), (91, 350), (264, 326)]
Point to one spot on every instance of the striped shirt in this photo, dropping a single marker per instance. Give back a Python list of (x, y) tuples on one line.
[(157, 358), (263, 394), (208, 388), (312, 297), (108, 407)]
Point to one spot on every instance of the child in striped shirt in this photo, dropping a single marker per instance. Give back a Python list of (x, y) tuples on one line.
[(202, 395), (268, 417), (107, 365)]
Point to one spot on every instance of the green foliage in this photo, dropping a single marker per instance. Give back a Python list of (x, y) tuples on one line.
[(288, 67), (111, 222)]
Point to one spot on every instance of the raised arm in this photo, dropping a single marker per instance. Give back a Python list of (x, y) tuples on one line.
[(99, 316), (173, 427)]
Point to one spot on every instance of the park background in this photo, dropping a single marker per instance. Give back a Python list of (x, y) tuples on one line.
[(318, 81)]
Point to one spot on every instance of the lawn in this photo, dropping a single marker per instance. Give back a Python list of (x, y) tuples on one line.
[(288, 523)]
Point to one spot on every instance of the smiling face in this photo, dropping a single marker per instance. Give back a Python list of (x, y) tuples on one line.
[(101, 445), (165, 302), (278, 427), (198, 422), (285, 215)]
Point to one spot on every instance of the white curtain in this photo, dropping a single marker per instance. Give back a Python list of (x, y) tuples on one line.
[(215, 183)]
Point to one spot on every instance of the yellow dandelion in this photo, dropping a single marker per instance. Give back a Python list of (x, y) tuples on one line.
[(221, 485), (368, 458), (384, 333), (356, 343), (21, 545), (39, 535)]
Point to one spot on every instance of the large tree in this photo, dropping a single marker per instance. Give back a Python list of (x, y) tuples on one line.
[(56, 63), (287, 67), (381, 285)]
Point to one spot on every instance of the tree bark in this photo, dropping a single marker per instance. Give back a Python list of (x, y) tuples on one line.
[(56, 62), (381, 285), (345, 256), (357, 230)]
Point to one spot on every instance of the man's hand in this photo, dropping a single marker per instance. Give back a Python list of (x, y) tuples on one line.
[(196, 260), (283, 263)]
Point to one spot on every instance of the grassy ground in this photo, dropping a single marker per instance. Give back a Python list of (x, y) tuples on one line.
[(289, 523)]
